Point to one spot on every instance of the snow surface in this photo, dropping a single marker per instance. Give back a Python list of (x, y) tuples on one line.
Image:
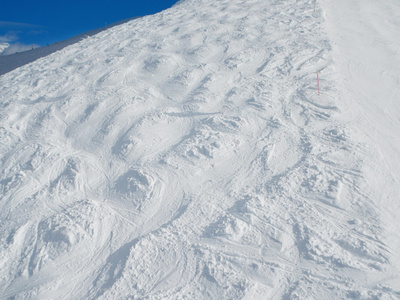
[(187, 155)]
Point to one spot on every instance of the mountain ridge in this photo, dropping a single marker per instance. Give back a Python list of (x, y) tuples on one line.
[(13, 61)]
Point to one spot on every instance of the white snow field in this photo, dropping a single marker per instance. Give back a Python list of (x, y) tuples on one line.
[(188, 155)]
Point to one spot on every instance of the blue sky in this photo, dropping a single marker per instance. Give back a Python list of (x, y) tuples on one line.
[(42, 22)]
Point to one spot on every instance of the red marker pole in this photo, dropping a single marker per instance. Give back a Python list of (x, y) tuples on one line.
[(318, 81)]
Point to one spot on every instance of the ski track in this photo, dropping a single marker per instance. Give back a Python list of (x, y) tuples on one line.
[(187, 155)]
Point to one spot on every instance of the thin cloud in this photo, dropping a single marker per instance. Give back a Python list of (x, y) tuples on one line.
[(36, 32), (3, 46), (18, 47), (18, 25), (10, 36)]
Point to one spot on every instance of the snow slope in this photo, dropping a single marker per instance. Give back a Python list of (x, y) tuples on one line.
[(366, 46), (187, 155)]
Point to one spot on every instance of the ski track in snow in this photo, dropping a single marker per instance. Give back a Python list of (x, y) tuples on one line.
[(187, 155)]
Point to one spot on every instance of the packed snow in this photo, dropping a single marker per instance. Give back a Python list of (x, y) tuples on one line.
[(190, 155)]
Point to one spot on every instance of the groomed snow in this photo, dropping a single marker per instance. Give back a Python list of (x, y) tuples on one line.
[(188, 155)]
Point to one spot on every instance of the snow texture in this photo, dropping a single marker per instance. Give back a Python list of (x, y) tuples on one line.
[(188, 155)]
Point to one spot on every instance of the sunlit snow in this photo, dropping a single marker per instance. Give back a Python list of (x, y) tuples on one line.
[(188, 155)]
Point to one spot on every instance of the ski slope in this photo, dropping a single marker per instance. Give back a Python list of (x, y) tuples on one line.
[(188, 155)]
